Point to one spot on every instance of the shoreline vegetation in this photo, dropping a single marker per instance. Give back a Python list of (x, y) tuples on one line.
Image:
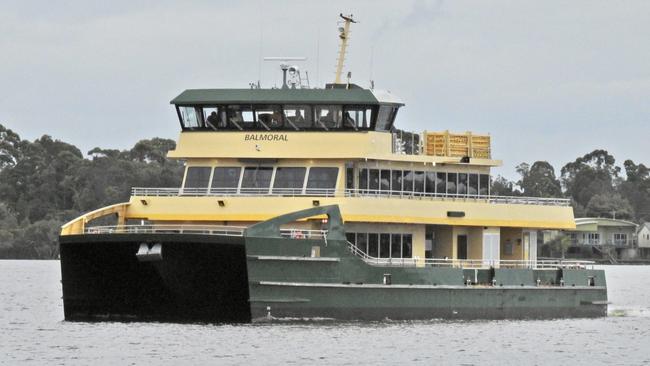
[(46, 182)]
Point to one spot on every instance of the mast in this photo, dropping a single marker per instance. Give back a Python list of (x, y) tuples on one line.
[(344, 36)]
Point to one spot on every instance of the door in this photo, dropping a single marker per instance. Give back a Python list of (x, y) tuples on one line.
[(461, 242)]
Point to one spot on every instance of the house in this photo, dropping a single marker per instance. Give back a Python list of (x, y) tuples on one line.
[(643, 235), (592, 231)]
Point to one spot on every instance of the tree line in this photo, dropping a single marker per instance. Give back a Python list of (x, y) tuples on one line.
[(46, 182)]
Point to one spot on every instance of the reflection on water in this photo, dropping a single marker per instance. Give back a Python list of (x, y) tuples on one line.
[(33, 332)]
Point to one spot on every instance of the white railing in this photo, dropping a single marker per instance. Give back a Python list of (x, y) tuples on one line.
[(167, 229), (299, 192), (198, 229), (469, 263)]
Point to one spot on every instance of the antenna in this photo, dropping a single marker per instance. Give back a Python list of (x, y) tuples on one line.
[(344, 35), (293, 70)]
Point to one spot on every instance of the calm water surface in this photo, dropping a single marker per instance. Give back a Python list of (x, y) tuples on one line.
[(33, 332)]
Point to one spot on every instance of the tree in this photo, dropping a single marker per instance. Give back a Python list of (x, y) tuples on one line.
[(501, 186), (539, 180), (10, 145), (594, 173), (636, 189), (609, 205)]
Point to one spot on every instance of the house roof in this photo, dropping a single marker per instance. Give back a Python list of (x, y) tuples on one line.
[(284, 96), (642, 226), (592, 223)]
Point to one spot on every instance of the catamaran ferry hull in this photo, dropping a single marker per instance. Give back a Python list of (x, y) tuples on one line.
[(221, 278)]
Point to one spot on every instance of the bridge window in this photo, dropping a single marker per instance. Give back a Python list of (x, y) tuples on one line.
[(225, 179), (256, 179), (298, 117), (241, 117), (357, 117), (328, 116), (385, 117), (289, 180), (190, 116), (268, 117), (322, 179), (214, 117), (197, 177)]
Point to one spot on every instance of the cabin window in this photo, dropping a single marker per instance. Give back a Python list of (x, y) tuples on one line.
[(214, 117), (407, 181), (407, 246), (363, 180), (289, 180), (441, 182), (373, 180), (484, 185), (362, 242), (451, 183), (396, 181), (384, 180), (268, 117), (190, 116), (384, 245), (396, 246), (240, 117), (197, 177), (225, 179), (357, 117), (385, 118), (256, 179), (328, 116), (322, 179), (431, 183), (298, 117), (462, 183), (418, 182), (351, 237), (373, 245), (472, 188), (349, 177)]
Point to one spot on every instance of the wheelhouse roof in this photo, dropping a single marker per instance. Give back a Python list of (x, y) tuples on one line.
[(280, 96)]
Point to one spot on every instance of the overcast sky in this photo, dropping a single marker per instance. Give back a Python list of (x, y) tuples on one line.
[(549, 80)]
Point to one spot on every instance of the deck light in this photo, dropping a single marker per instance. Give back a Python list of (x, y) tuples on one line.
[(221, 203), (315, 202), (144, 202)]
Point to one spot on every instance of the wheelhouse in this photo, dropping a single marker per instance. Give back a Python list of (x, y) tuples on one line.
[(330, 109)]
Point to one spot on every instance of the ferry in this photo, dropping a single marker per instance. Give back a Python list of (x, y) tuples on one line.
[(305, 203)]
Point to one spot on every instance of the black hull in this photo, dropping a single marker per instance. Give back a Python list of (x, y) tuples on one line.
[(202, 278)]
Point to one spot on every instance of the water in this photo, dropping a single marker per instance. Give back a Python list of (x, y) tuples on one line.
[(32, 331)]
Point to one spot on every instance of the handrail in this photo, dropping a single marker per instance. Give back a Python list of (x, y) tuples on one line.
[(293, 233), (299, 192), (469, 263)]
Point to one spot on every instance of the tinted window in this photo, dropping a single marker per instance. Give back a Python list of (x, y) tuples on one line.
[(298, 116), (373, 245), (240, 117), (289, 180), (451, 183), (441, 182), (384, 245), (407, 245), (373, 180), (225, 179), (431, 182), (396, 246), (356, 117), (472, 188), (484, 184), (362, 242), (418, 182), (197, 177), (384, 118), (328, 116), (256, 179), (384, 180), (214, 117), (349, 178), (407, 184), (268, 117), (322, 178), (396, 181), (363, 179), (190, 116), (462, 183)]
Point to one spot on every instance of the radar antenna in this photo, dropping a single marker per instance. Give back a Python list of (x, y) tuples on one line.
[(344, 35), (294, 71)]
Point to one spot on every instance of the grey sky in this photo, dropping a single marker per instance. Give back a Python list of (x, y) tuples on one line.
[(549, 80)]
